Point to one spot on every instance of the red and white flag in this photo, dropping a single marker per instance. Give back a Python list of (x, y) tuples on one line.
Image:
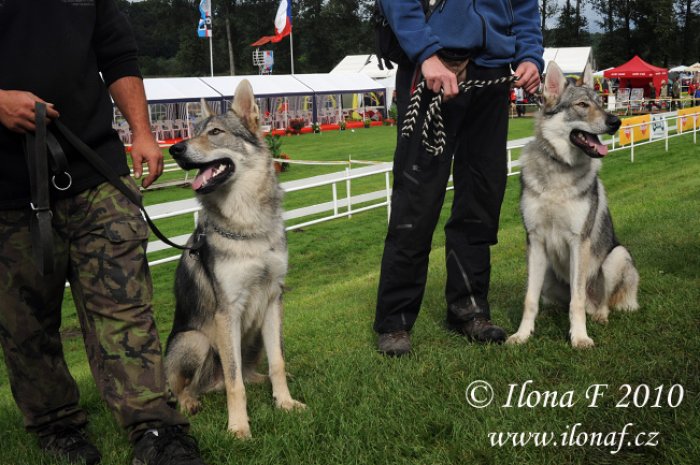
[(283, 24)]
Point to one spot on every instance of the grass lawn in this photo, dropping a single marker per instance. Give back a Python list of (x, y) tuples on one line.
[(366, 409)]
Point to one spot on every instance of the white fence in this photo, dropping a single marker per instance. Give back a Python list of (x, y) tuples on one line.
[(338, 207)]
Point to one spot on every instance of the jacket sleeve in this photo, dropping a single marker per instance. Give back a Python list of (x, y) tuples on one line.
[(528, 34), (407, 20), (114, 43)]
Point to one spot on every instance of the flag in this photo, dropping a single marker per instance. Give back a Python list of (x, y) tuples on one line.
[(283, 24), (204, 27)]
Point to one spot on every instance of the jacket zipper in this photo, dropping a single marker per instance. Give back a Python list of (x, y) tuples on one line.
[(512, 18), (483, 26)]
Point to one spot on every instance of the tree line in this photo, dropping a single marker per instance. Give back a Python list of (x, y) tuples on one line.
[(663, 32)]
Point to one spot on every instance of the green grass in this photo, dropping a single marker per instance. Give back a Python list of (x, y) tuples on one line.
[(365, 409)]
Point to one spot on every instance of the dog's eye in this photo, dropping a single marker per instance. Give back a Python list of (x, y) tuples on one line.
[(582, 104), (215, 131)]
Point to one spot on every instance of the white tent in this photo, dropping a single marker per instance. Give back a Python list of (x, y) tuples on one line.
[(678, 69), (280, 97), (263, 85), (576, 61), (365, 64), (178, 90)]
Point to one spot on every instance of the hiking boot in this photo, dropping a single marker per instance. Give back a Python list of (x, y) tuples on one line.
[(166, 446), (473, 321), (70, 444), (479, 329), (394, 344)]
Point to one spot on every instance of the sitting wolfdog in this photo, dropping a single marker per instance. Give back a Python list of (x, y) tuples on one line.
[(229, 290), (573, 255)]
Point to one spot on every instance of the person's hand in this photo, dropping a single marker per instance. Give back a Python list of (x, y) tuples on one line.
[(528, 77), (17, 110), (145, 150), (437, 76)]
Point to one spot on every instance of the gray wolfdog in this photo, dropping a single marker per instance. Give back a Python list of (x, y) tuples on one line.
[(229, 292), (573, 256)]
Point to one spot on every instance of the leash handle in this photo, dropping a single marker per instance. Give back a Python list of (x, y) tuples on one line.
[(433, 135)]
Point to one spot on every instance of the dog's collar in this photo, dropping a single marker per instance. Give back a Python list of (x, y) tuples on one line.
[(231, 234)]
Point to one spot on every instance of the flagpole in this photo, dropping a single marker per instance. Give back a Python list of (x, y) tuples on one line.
[(211, 40), (291, 49), (211, 54)]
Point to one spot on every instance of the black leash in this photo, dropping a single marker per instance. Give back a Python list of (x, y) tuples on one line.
[(37, 159), (40, 224), (433, 134)]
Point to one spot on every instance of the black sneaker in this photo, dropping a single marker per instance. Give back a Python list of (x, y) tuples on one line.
[(71, 444), (166, 446), (394, 344)]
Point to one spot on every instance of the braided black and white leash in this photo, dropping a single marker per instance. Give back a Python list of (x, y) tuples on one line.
[(433, 134)]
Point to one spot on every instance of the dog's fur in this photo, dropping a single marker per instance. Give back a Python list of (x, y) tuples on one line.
[(573, 255), (229, 292)]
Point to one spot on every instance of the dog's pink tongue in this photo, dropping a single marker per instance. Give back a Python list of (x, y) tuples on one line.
[(594, 141), (203, 177)]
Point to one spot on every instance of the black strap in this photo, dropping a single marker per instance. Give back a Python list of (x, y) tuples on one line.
[(99, 164), (40, 225)]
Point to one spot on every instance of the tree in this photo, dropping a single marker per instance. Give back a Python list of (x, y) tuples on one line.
[(548, 9), (571, 26)]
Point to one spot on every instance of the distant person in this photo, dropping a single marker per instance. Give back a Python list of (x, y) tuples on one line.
[(520, 101), (676, 93)]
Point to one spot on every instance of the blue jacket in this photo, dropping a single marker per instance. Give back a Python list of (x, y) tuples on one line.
[(498, 32)]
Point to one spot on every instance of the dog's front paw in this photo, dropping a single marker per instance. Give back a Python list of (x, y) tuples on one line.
[(241, 432), (189, 405), (582, 342), (600, 317), (517, 339), (290, 404)]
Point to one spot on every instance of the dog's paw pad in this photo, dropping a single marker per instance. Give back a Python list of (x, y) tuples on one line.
[(291, 404), (241, 433), (582, 342)]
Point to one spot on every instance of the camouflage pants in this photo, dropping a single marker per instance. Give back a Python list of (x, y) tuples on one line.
[(99, 241)]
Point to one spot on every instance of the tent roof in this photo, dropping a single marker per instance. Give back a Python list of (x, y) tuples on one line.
[(220, 87), (177, 89), (365, 64), (635, 68), (695, 67), (338, 83), (571, 60), (263, 86)]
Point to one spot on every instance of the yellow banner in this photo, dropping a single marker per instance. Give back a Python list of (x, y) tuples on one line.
[(685, 122), (640, 132)]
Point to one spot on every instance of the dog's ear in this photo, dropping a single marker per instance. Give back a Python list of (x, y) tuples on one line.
[(245, 107), (554, 84), (206, 109)]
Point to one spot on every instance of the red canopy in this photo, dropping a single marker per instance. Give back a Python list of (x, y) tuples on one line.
[(639, 73)]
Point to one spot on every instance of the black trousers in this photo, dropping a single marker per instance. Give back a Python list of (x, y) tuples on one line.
[(477, 127)]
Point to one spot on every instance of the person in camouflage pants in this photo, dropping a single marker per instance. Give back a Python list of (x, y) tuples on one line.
[(99, 240), (99, 237)]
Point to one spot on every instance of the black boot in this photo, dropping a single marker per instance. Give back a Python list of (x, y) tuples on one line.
[(474, 321), (70, 444), (166, 446)]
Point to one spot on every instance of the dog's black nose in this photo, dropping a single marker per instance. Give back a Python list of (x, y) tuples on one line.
[(613, 122), (178, 149)]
